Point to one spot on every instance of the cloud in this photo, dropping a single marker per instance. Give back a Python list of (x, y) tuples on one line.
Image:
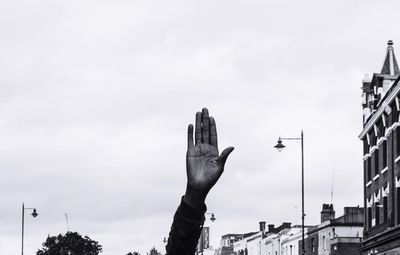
[(96, 97)]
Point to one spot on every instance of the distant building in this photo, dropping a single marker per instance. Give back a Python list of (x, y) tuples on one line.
[(291, 239), (284, 240), (271, 241), (227, 242), (204, 240), (335, 235), (271, 244), (381, 160), (254, 244), (245, 246)]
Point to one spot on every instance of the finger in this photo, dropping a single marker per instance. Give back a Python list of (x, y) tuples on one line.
[(205, 126), (224, 155), (190, 136), (213, 133), (197, 132)]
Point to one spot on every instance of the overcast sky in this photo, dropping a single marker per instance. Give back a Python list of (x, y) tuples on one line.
[(95, 98)]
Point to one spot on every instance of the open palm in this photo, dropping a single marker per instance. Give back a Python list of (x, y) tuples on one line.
[(203, 169), (204, 165)]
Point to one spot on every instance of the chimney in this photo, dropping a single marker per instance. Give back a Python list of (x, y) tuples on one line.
[(262, 226), (271, 227), (286, 225), (353, 214), (327, 212)]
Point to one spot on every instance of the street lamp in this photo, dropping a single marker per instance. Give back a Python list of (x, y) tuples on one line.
[(279, 146), (34, 215), (212, 218)]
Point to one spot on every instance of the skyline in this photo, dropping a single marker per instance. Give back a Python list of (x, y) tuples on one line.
[(96, 97)]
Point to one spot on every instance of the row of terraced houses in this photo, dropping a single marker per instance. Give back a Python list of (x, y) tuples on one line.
[(341, 235)]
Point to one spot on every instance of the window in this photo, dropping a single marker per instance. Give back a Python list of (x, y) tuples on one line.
[(377, 209), (369, 217), (373, 140), (366, 146), (385, 194), (397, 142), (368, 169), (385, 209), (312, 245), (393, 115), (369, 211), (398, 204), (381, 129), (384, 156), (376, 162)]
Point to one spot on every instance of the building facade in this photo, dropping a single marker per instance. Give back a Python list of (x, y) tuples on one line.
[(340, 236), (381, 158), (281, 240), (290, 239), (245, 246), (204, 240), (227, 242), (275, 241)]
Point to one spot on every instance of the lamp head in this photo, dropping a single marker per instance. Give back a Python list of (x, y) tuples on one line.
[(34, 213), (212, 217), (279, 146)]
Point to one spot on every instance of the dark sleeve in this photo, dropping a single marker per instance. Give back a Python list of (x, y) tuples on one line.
[(185, 230)]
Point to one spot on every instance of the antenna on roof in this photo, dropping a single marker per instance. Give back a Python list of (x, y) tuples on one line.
[(333, 175), (66, 220)]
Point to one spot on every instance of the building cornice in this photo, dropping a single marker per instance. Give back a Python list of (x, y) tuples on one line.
[(391, 234), (333, 223), (389, 98)]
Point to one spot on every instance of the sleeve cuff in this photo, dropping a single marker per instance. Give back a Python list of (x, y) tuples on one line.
[(188, 212)]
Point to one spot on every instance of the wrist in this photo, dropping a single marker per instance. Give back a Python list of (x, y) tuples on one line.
[(195, 198)]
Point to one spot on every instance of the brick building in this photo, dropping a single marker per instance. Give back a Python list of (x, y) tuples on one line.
[(381, 158)]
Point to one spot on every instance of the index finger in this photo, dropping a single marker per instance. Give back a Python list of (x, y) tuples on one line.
[(190, 136)]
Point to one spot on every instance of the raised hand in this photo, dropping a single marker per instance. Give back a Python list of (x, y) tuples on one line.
[(204, 165)]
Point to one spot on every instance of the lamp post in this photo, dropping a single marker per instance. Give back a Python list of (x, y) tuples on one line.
[(212, 219), (165, 243), (34, 215), (279, 146)]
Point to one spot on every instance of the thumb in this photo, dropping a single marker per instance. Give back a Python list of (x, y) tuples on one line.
[(224, 155)]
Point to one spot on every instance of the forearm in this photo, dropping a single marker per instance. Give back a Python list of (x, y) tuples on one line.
[(186, 229), (195, 198)]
